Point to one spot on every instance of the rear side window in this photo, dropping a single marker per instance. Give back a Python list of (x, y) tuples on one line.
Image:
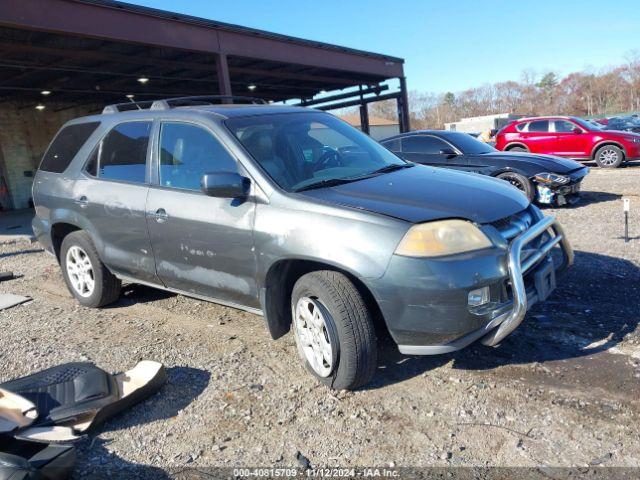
[(520, 126), (66, 145), (539, 126), (122, 154)]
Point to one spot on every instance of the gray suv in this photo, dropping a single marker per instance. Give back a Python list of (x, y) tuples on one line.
[(292, 214)]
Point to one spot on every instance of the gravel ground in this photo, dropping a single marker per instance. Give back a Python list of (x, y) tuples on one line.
[(562, 390)]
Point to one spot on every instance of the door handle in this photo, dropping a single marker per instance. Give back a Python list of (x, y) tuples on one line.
[(82, 201), (160, 215)]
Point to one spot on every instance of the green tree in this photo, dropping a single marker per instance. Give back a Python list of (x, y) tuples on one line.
[(548, 81), (449, 98)]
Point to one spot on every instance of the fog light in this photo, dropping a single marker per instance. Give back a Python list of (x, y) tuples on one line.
[(478, 297)]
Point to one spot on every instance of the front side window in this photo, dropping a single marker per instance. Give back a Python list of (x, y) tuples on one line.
[(425, 144), (563, 126), (122, 154), (187, 152), (66, 145), (307, 150), (539, 126)]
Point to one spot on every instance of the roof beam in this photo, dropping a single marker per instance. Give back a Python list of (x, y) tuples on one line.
[(102, 56), (132, 24), (155, 62)]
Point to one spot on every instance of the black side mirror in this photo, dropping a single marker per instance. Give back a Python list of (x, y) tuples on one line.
[(225, 185), (577, 130), (449, 152)]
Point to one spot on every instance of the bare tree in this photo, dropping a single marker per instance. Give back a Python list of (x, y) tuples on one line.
[(590, 92)]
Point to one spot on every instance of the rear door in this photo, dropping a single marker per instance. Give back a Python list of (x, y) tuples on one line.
[(112, 194), (429, 150), (202, 245), (539, 138)]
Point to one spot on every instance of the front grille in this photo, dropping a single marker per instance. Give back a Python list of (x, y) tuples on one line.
[(512, 226)]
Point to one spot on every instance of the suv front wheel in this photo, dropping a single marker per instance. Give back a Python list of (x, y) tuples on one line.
[(609, 156), (87, 278), (333, 330)]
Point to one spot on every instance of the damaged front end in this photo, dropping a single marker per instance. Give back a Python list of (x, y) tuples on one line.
[(557, 189)]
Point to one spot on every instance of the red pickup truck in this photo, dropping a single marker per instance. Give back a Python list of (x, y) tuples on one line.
[(569, 137)]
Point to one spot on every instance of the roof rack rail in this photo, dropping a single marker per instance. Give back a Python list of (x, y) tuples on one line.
[(127, 106), (169, 103)]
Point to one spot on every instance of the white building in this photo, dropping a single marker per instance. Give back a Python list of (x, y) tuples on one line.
[(482, 123)]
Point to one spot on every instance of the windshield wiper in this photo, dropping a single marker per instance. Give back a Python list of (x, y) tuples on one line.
[(328, 182), (392, 167), (332, 182)]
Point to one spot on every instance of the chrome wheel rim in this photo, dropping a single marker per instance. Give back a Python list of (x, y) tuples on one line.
[(312, 336), (608, 157), (80, 271)]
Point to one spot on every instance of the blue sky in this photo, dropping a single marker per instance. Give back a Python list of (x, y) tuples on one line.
[(449, 45)]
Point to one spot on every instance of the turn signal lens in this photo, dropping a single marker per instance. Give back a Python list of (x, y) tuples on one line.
[(445, 237)]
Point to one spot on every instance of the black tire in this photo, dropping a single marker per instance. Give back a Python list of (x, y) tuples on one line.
[(609, 156), (517, 149), (106, 288), (519, 181), (349, 326)]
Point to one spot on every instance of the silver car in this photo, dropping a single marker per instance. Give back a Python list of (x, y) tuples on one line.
[(292, 214)]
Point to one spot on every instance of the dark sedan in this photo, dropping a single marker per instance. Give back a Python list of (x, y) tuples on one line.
[(542, 178)]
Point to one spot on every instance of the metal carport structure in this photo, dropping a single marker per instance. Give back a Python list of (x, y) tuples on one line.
[(70, 57)]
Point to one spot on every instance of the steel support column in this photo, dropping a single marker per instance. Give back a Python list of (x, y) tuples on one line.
[(224, 80), (364, 118), (403, 107), (364, 114)]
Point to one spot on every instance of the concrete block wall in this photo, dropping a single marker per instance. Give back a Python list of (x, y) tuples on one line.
[(25, 134)]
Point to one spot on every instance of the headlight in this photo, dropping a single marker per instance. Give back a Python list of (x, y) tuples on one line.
[(552, 179), (446, 237)]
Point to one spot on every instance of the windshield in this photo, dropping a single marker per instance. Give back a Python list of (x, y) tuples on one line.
[(467, 144), (586, 125), (301, 150)]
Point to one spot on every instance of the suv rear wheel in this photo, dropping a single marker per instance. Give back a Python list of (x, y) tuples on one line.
[(87, 278), (333, 330), (609, 156)]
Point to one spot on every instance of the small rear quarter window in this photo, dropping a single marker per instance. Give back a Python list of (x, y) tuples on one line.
[(66, 145)]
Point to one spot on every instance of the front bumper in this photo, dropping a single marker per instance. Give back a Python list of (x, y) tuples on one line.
[(550, 194), (530, 276)]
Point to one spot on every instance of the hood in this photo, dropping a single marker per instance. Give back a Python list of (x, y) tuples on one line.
[(619, 134), (422, 193), (547, 163)]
